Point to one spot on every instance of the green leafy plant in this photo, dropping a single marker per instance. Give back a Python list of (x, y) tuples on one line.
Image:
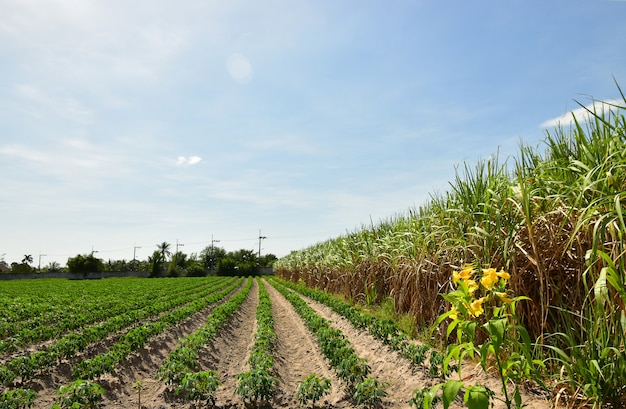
[(256, 385), (138, 386), (370, 392), (7, 376), (79, 394), (493, 334), (18, 399), (199, 387), (313, 388)]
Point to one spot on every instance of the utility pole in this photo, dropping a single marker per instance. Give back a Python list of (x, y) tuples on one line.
[(178, 245), (40, 256), (212, 260), (260, 238), (213, 241), (135, 247)]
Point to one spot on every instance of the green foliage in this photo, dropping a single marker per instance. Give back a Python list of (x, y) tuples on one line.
[(182, 360), (369, 392), (240, 263), (256, 385), (21, 268), (138, 386), (79, 394), (348, 366), (18, 399), (502, 338), (195, 270), (211, 255), (7, 376), (155, 263), (593, 361), (475, 396), (313, 388), (199, 386), (258, 382), (84, 264)]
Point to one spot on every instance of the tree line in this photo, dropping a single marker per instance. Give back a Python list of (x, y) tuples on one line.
[(162, 263)]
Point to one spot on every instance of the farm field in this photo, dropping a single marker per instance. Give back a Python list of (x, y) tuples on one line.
[(138, 338)]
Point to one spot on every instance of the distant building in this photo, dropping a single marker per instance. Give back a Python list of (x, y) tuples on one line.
[(4, 267)]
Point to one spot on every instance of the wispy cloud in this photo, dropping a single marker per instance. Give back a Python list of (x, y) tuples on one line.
[(584, 114), (190, 161)]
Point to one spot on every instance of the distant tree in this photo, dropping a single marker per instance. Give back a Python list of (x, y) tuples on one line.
[(195, 269), (84, 264), (268, 260), (211, 255), (27, 259), (155, 263), (53, 267), (20, 268), (227, 266), (134, 265), (116, 265), (177, 264), (241, 262), (164, 248)]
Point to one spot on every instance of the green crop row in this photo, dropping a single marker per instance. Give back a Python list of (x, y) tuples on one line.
[(28, 366), (44, 320), (258, 383), (137, 337), (182, 361), (348, 366)]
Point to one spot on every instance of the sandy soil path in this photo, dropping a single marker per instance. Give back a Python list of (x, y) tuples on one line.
[(298, 355)]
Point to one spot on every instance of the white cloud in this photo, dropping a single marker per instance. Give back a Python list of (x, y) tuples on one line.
[(192, 160), (584, 114)]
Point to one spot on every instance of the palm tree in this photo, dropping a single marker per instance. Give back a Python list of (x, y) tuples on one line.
[(27, 259), (155, 263), (164, 248)]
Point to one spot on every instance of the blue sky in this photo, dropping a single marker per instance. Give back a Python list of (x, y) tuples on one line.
[(128, 124)]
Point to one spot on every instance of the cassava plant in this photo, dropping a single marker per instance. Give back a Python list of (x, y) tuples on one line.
[(79, 394), (199, 387), (313, 388)]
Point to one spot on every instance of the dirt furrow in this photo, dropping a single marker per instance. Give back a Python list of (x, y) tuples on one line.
[(387, 365), (228, 352), (298, 355)]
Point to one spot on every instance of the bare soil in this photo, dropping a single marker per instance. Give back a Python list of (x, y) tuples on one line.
[(296, 355)]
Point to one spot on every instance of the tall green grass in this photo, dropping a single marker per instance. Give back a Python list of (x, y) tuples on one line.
[(552, 216)]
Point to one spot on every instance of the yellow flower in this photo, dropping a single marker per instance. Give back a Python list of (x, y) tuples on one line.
[(454, 313), (490, 278), (464, 274), (471, 286), (503, 274), (503, 297), (476, 307)]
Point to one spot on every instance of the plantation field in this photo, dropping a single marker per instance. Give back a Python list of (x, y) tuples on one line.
[(171, 343)]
